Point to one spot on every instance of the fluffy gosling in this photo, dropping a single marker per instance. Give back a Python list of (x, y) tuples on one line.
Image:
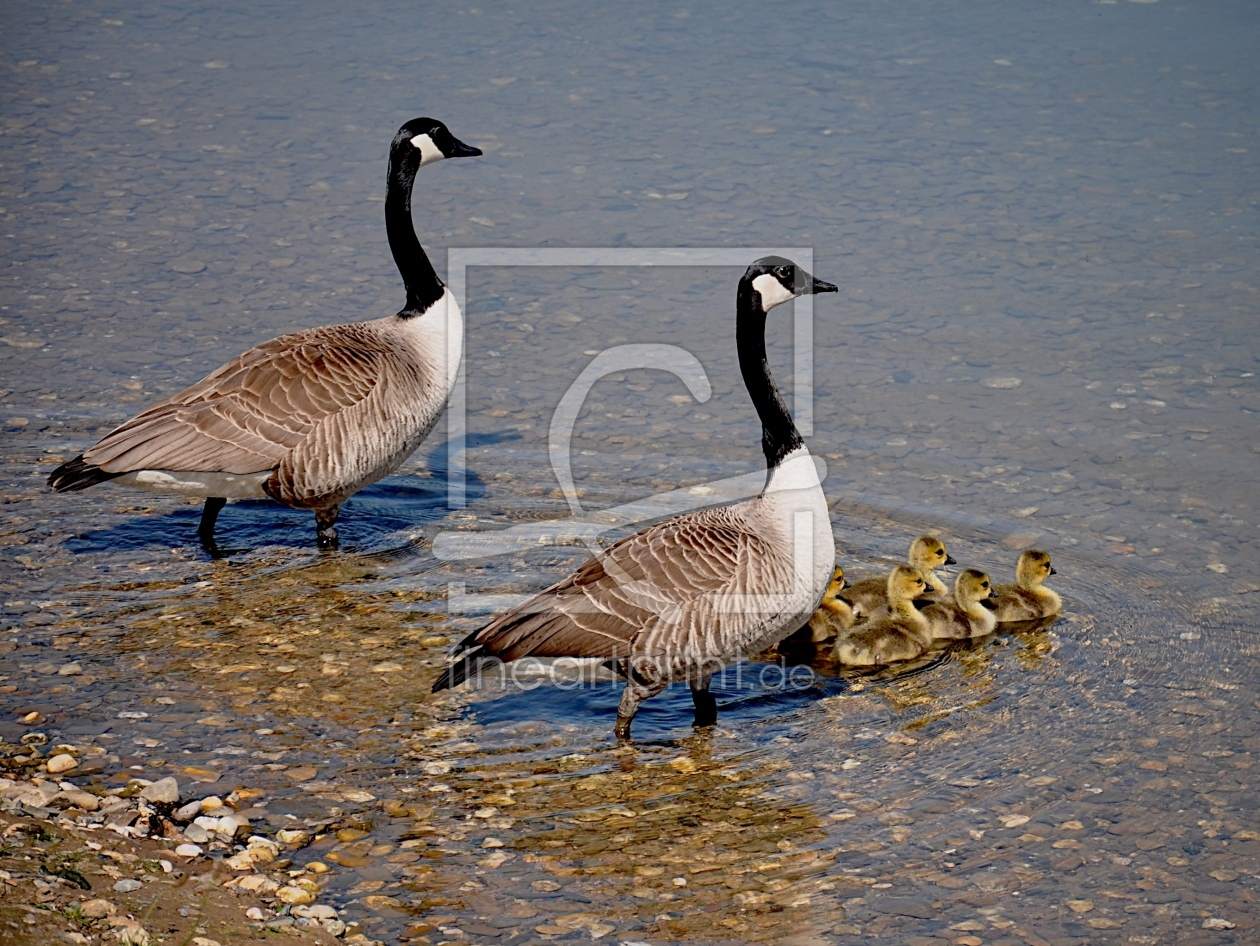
[(1028, 599), (927, 553), (834, 615), (971, 614), (903, 634)]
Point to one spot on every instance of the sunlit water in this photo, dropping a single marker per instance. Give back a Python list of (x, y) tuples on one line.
[(1043, 221)]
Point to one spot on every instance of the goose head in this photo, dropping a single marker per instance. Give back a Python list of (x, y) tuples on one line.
[(927, 553), (1032, 569), (423, 141), (972, 587), (775, 280)]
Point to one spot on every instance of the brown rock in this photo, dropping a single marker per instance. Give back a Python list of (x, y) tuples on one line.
[(301, 773), (96, 909), (1104, 923)]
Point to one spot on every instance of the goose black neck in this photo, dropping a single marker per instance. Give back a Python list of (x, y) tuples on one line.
[(779, 436), (423, 285)]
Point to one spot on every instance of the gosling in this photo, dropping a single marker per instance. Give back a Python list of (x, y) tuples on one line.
[(927, 553), (1028, 599), (971, 614), (834, 615), (902, 634)]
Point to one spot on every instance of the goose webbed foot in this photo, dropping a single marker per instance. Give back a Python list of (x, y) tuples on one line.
[(326, 526), (638, 689), (205, 531), (622, 729), (706, 706)]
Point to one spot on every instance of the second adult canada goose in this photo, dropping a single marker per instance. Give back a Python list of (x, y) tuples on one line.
[(685, 597), (902, 633), (969, 614), (834, 614), (927, 553), (1028, 599), (311, 418)]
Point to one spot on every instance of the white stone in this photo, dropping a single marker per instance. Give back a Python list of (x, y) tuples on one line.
[(294, 895), (241, 861), (262, 850), (162, 792), (76, 798), (188, 850), (227, 826), (315, 911), (62, 763), (256, 883)]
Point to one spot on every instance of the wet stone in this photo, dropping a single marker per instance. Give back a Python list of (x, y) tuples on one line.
[(164, 792), (905, 906), (1131, 828)]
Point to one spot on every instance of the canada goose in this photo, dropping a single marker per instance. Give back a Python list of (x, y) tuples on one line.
[(685, 597), (834, 614), (902, 633), (970, 614), (312, 417), (1028, 599), (927, 553)]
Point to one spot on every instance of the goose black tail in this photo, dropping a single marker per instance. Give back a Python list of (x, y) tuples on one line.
[(76, 474), (468, 659)]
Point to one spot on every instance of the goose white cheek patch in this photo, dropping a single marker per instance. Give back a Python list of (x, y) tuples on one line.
[(429, 152), (771, 291)]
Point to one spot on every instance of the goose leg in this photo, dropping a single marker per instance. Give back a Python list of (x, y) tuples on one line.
[(326, 524), (205, 531), (637, 690), (706, 704)]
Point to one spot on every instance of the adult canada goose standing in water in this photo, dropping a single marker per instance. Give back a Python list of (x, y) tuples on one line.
[(312, 417), (685, 597)]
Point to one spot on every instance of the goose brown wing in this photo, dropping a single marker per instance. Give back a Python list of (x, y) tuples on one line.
[(249, 414), (673, 575)]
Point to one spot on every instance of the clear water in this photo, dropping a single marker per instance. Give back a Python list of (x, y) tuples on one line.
[(1062, 194)]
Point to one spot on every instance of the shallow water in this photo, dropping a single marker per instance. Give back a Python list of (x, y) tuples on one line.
[(1043, 221)]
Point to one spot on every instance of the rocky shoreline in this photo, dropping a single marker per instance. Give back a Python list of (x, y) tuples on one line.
[(144, 863)]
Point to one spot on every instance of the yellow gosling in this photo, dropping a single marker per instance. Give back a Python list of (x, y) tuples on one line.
[(927, 553), (834, 615), (1029, 599), (903, 634), (970, 614)]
